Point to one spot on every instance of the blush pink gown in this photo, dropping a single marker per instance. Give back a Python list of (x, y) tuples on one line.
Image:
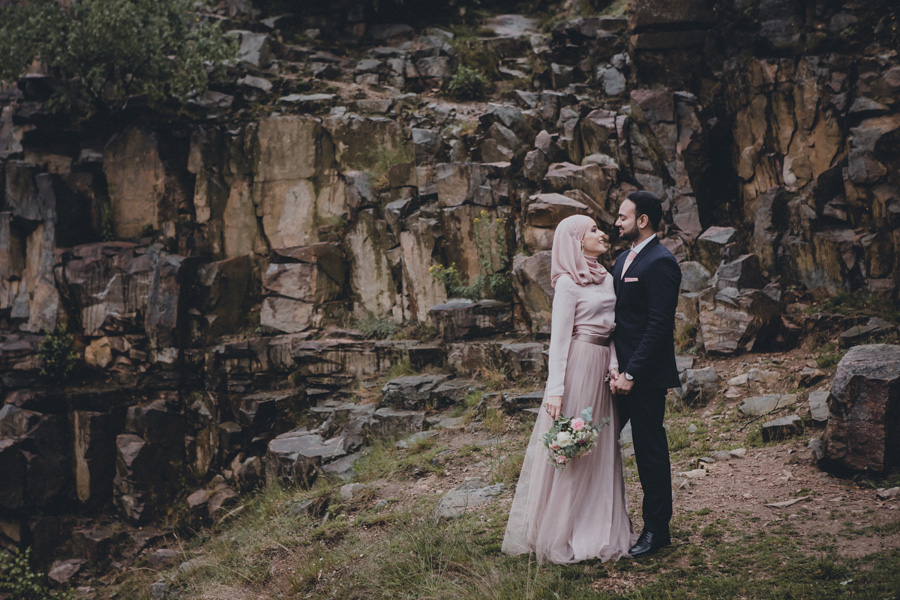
[(579, 513)]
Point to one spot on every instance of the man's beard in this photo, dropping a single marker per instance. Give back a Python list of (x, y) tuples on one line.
[(629, 234)]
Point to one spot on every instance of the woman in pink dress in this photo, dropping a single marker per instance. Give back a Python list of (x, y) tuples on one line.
[(579, 513)]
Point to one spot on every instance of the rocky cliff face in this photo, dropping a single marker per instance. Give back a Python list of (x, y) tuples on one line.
[(324, 185)]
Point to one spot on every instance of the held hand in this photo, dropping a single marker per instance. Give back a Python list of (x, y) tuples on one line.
[(621, 385), (553, 406)]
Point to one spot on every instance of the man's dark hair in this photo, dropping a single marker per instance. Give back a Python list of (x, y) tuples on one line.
[(646, 203)]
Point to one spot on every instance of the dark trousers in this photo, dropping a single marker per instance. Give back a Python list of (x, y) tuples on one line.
[(645, 407)]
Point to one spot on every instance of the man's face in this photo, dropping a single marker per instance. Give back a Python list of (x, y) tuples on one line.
[(627, 221)]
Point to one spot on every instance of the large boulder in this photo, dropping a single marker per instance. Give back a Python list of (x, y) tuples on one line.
[(734, 320), (543, 214), (418, 248), (296, 456), (484, 184), (715, 245), (224, 294), (531, 278), (119, 287), (863, 431), (95, 455), (369, 246), (464, 319), (136, 180), (27, 246), (413, 391)]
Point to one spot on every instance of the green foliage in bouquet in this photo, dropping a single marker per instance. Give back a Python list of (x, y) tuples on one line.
[(570, 437)]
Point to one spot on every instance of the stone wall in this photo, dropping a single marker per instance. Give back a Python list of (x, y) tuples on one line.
[(210, 266)]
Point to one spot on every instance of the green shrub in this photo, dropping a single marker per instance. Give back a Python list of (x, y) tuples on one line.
[(109, 52), (379, 328), (19, 579), (467, 84), (57, 350)]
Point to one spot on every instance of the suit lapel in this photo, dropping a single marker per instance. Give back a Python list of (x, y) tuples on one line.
[(644, 252), (617, 270)]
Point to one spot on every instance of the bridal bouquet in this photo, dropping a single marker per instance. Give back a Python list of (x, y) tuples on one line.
[(570, 437)]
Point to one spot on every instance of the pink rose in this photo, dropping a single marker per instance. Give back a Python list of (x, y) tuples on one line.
[(577, 424), (554, 446), (562, 460)]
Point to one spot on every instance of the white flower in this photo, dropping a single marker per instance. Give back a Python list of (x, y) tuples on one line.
[(563, 438)]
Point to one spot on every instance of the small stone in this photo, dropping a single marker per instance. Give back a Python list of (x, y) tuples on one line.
[(721, 456), (782, 428), (693, 474), (732, 392), (741, 379), (698, 386), (692, 428), (350, 490), (761, 405), (451, 422), (159, 590), (861, 333), (63, 570), (764, 377), (810, 377), (888, 494), (455, 502), (817, 448), (415, 439), (738, 452), (302, 508), (162, 557), (680, 483), (818, 406), (625, 437)]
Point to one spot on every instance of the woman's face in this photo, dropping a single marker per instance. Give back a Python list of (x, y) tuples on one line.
[(595, 242)]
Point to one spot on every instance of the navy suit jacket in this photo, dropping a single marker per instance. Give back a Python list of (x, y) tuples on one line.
[(646, 301)]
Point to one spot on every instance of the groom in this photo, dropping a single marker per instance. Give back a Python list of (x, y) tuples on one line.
[(647, 279)]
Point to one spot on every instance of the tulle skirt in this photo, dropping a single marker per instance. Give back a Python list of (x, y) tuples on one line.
[(576, 514)]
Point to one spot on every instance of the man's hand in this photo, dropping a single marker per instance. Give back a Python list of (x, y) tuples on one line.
[(621, 385), (553, 406)]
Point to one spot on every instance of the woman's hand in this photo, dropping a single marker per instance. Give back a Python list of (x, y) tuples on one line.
[(553, 406), (613, 375)]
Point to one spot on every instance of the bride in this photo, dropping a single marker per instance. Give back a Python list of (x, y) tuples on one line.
[(579, 513)]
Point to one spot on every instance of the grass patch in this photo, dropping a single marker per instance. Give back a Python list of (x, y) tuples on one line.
[(856, 303), (384, 460), (401, 368)]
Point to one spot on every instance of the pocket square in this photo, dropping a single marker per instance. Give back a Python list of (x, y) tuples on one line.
[(631, 280)]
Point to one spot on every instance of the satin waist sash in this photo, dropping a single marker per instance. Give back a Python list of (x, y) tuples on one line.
[(590, 338)]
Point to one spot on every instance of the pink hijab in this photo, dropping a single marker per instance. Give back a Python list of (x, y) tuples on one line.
[(567, 257)]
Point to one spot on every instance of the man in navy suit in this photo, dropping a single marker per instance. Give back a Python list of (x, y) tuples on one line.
[(647, 279)]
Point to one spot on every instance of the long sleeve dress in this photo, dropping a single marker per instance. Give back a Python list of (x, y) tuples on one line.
[(579, 513)]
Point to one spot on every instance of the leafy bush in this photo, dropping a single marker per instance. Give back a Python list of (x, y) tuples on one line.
[(379, 328), (110, 51), (58, 353), (467, 84), (18, 578)]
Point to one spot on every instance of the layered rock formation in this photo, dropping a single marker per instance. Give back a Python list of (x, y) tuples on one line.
[(208, 266)]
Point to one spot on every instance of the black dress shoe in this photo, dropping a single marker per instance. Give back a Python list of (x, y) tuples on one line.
[(649, 543)]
